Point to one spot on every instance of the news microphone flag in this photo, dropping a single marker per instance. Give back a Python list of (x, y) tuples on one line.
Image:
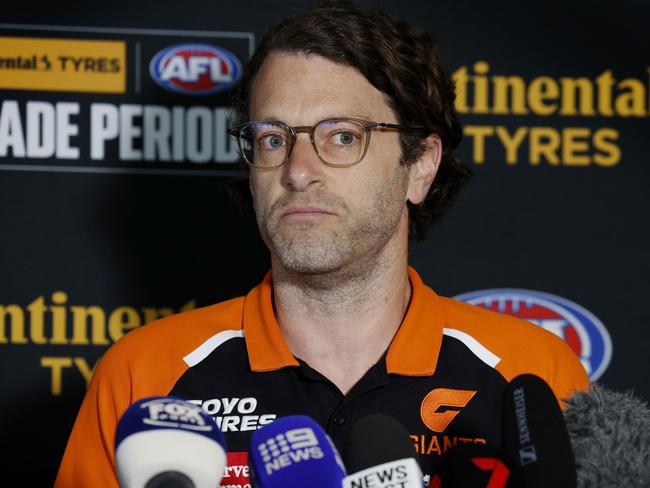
[(167, 441), (295, 452), (380, 454), (402, 473)]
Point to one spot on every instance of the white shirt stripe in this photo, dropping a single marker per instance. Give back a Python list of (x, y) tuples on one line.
[(481, 352), (202, 352)]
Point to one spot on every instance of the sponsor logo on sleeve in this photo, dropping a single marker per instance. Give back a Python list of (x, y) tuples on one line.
[(235, 414)]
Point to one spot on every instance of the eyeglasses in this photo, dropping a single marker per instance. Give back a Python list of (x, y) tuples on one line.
[(339, 142)]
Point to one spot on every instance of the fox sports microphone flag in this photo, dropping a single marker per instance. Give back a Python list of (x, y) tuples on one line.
[(166, 441), (295, 452)]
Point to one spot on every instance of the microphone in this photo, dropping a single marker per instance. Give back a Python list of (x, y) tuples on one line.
[(534, 434), (380, 454), (295, 452), (610, 434), (166, 442), (475, 467)]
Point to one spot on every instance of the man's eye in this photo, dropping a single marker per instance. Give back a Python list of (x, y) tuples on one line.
[(271, 141), (344, 138)]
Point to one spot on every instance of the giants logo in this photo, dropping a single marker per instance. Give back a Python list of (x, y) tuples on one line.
[(438, 420)]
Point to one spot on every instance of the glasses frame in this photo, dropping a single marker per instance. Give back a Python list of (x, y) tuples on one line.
[(237, 130)]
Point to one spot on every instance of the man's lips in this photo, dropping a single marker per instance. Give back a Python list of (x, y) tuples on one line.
[(305, 211)]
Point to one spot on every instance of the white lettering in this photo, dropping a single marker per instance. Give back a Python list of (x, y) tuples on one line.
[(247, 405), (197, 66), (175, 68), (230, 423), (199, 134), (157, 129), (65, 129), (40, 130), (103, 126), (225, 145), (229, 404), (11, 130), (212, 406), (129, 131)]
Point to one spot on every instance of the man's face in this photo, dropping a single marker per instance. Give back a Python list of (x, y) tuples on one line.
[(316, 218)]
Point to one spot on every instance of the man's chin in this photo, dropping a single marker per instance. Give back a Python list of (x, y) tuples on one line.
[(309, 264), (309, 258)]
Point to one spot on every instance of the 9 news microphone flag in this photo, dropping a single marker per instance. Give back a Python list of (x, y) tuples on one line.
[(168, 442), (380, 455), (295, 452)]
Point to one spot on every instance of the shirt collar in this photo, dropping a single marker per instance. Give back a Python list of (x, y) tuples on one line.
[(412, 352)]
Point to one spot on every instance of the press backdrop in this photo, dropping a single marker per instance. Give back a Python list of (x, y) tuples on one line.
[(113, 164)]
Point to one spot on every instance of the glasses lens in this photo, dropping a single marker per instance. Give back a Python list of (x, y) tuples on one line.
[(264, 144), (340, 142)]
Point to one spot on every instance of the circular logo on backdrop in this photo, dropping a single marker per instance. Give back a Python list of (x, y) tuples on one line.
[(195, 69), (578, 327)]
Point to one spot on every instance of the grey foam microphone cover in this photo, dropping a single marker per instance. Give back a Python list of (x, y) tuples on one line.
[(610, 436)]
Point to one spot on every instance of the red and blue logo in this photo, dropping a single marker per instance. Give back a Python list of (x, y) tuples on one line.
[(578, 327), (195, 69)]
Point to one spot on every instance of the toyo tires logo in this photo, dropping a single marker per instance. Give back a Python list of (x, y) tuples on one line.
[(195, 69), (578, 327)]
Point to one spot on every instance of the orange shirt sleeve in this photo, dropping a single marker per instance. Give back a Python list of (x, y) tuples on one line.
[(145, 362), (522, 346)]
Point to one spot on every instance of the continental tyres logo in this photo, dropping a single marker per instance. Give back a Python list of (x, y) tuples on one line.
[(431, 409), (592, 103), (77, 65), (53, 321)]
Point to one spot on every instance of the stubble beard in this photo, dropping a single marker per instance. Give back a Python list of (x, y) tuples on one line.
[(343, 248)]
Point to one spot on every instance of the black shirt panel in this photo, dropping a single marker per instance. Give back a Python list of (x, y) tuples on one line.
[(241, 400)]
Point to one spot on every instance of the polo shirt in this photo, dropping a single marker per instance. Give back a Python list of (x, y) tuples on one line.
[(442, 377)]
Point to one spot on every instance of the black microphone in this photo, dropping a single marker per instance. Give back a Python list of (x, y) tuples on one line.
[(535, 436), (475, 466), (379, 454), (610, 434)]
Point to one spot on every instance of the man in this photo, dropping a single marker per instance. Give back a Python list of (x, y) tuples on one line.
[(346, 121)]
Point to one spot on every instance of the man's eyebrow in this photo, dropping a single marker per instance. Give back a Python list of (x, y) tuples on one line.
[(324, 117)]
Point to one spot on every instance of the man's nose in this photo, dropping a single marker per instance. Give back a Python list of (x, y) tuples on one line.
[(304, 168)]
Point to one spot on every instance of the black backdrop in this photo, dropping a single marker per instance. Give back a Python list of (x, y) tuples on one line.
[(124, 238)]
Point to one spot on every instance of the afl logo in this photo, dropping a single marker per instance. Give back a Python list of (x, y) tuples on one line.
[(578, 327), (195, 69)]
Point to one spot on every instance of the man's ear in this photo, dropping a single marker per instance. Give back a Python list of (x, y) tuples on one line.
[(423, 170)]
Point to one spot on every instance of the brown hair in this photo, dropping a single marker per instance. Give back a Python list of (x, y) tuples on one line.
[(397, 58)]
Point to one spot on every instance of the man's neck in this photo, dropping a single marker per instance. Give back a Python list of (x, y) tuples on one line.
[(342, 323)]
